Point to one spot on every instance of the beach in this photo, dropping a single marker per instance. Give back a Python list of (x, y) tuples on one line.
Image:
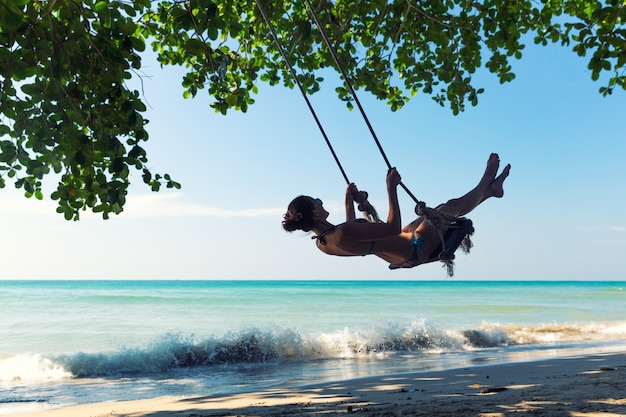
[(579, 385), (271, 348)]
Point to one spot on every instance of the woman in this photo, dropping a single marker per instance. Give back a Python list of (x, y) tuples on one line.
[(414, 244)]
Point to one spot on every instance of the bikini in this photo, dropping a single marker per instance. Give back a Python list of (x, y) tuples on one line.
[(416, 243), (322, 240), (459, 232)]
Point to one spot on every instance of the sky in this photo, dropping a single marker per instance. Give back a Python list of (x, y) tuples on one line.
[(561, 217)]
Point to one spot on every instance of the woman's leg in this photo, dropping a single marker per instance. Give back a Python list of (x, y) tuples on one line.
[(489, 186)]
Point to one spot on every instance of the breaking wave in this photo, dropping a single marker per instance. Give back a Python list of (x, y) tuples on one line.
[(175, 351)]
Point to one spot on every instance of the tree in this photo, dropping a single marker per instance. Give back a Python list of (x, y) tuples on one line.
[(66, 111)]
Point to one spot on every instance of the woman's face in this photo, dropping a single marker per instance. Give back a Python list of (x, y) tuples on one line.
[(318, 209)]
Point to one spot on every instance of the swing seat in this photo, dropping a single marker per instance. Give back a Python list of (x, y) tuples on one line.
[(459, 231), (453, 238)]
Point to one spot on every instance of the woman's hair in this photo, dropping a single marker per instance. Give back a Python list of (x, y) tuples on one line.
[(299, 214)]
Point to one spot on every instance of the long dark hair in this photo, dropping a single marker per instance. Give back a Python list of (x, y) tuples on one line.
[(299, 214)]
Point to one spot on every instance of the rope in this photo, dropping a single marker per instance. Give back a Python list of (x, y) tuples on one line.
[(353, 93), (302, 91), (441, 221), (361, 196)]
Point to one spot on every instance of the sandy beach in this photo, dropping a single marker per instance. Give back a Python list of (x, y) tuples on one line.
[(589, 385)]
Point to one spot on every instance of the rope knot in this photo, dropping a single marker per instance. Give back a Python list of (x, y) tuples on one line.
[(460, 228), (360, 197)]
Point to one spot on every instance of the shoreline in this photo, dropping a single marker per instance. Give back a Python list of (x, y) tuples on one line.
[(578, 386)]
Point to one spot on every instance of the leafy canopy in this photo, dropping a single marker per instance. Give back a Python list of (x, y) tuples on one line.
[(66, 111)]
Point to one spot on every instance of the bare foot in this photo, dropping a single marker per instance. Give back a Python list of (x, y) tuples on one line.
[(495, 188), (493, 163)]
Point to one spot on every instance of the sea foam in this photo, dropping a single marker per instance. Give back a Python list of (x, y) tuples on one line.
[(173, 351), (26, 367)]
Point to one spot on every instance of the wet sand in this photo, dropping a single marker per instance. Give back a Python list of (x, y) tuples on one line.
[(576, 386)]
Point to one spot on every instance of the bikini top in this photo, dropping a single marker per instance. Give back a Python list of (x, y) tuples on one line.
[(322, 240), (321, 237)]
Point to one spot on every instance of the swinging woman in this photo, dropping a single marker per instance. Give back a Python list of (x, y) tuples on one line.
[(410, 246)]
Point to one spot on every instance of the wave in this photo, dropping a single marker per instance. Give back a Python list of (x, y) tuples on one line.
[(26, 367), (174, 351)]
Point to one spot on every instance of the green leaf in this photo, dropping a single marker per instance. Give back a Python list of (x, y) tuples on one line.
[(138, 43), (8, 151), (11, 17), (28, 188), (68, 109), (100, 6), (231, 100), (195, 47)]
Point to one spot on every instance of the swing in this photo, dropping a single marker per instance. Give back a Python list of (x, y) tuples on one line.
[(454, 232), (456, 235)]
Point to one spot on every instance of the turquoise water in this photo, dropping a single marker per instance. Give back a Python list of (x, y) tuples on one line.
[(75, 341)]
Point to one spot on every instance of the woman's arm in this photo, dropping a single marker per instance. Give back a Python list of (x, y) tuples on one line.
[(350, 193), (393, 218), (374, 231)]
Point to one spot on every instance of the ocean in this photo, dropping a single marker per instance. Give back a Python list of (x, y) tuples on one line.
[(69, 342)]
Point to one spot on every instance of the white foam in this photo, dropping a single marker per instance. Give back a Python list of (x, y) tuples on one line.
[(27, 367), (561, 332), (11, 409), (254, 345)]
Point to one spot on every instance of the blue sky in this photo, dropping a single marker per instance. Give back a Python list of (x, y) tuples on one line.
[(561, 216)]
